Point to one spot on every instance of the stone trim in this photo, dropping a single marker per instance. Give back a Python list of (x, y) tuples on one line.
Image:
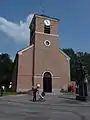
[(68, 58), (42, 77), (20, 52), (47, 34)]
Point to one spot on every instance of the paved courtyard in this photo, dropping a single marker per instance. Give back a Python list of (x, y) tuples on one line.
[(55, 107)]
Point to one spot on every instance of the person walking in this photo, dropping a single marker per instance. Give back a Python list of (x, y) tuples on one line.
[(35, 90)]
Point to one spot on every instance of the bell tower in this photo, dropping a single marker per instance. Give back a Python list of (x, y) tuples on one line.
[(44, 37), (44, 31), (48, 60)]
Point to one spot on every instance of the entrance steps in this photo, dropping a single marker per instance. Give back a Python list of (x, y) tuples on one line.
[(54, 93)]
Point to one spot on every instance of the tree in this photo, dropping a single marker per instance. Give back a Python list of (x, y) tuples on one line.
[(70, 52), (75, 58), (5, 69)]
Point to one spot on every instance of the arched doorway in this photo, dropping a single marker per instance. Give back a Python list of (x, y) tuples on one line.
[(47, 82)]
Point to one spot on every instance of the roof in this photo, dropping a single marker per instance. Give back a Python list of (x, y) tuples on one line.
[(43, 15), (64, 54), (23, 50)]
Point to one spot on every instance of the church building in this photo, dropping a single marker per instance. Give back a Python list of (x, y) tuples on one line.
[(42, 62)]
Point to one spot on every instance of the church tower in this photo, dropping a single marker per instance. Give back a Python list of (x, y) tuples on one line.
[(47, 66), (42, 62)]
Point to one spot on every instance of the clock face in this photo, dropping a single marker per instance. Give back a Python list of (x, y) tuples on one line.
[(47, 22)]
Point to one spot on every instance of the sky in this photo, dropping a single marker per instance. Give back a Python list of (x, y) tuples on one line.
[(16, 15)]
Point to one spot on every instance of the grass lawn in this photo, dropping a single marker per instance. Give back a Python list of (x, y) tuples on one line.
[(9, 93)]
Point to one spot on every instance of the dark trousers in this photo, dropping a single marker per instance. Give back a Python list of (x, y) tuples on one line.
[(34, 98)]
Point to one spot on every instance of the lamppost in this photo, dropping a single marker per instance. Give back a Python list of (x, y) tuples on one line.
[(81, 82)]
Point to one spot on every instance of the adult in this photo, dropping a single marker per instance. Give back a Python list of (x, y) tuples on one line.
[(35, 90)]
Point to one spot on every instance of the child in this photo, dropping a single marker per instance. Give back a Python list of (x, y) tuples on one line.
[(42, 96)]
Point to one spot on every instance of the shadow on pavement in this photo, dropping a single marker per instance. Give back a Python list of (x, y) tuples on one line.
[(37, 100)]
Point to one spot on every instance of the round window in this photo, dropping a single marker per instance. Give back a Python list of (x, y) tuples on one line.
[(47, 42)]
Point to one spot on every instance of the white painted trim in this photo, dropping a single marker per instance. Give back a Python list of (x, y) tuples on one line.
[(42, 77), (68, 58), (57, 77), (47, 71), (47, 34), (20, 52)]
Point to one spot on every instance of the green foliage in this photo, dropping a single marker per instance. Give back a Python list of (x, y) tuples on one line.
[(5, 69), (84, 57), (73, 57), (8, 93)]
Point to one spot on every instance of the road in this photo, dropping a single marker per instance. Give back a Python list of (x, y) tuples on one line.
[(56, 107)]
